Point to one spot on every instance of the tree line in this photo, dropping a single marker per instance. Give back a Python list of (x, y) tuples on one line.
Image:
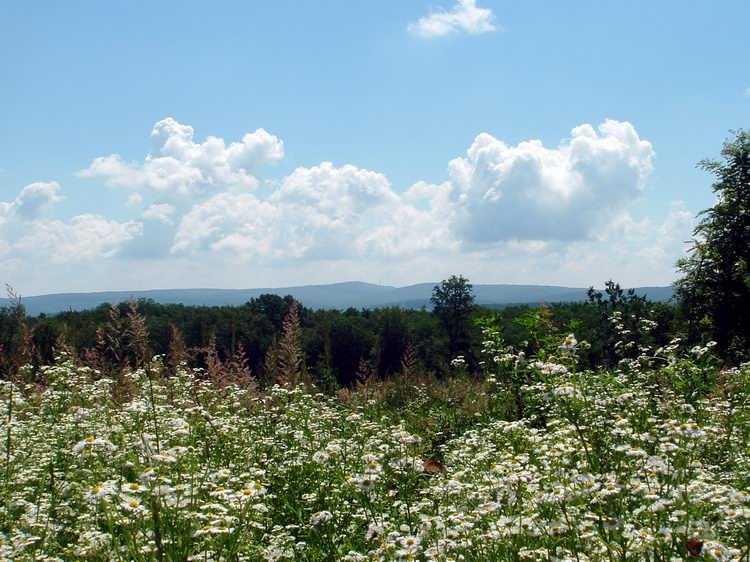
[(335, 347)]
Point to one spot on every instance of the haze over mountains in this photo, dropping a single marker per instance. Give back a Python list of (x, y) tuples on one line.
[(338, 295)]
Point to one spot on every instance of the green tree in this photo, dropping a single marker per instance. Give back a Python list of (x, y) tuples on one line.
[(393, 339), (353, 339), (715, 286), (453, 301)]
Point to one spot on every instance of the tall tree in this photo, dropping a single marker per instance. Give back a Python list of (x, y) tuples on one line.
[(715, 286), (453, 301)]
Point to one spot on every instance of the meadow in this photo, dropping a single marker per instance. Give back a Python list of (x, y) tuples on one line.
[(531, 459)]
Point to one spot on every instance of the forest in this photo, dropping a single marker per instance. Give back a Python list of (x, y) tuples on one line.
[(337, 345)]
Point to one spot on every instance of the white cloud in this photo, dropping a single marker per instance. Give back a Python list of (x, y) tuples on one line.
[(523, 196), (524, 213), (85, 237), (633, 252), (465, 16), (35, 198), (330, 209), (520, 198), (161, 212), (747, 92), (323, 212), (26, 236), (134, 199), (531, 192), (237, 222), (178, 165)]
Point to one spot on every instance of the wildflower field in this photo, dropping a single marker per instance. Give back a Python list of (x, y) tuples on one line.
[(532, 460)]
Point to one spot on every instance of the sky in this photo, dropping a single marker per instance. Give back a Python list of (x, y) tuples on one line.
[(188, 144)]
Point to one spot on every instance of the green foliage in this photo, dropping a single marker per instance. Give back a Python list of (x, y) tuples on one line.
[(641, 462), (333, 342), (453, 302), (715, 281), (617, 310), (393, 338)]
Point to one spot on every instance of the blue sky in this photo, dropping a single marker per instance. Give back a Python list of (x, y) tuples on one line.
[(394, 95)]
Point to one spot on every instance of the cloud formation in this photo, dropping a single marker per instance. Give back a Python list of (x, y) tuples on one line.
[(25, 234), (178, 165), (465, 16), (531, 192), (36, 198), (84, 238), (161, 212), (323, 212), (520, 213)]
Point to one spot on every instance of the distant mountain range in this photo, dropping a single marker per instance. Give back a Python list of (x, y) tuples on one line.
[(338, 295)]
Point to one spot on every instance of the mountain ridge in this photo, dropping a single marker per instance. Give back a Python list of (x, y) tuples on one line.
[(341, 295)]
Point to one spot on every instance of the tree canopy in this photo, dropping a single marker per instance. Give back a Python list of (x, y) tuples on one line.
[(715, 286), (453, 301)]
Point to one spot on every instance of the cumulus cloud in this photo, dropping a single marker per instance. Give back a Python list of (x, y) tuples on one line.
[(84, 237), (523, 196), (634, 252), (178, 165), (24, 233), (34, 199), (531, 192), (237, 222), (465, 16), (161, 212), (323, 212), (523, 213)]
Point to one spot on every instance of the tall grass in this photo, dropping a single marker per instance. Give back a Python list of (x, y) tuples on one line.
[(536, 461)]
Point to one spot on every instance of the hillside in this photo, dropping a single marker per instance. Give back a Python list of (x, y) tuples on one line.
[(338, 295)]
